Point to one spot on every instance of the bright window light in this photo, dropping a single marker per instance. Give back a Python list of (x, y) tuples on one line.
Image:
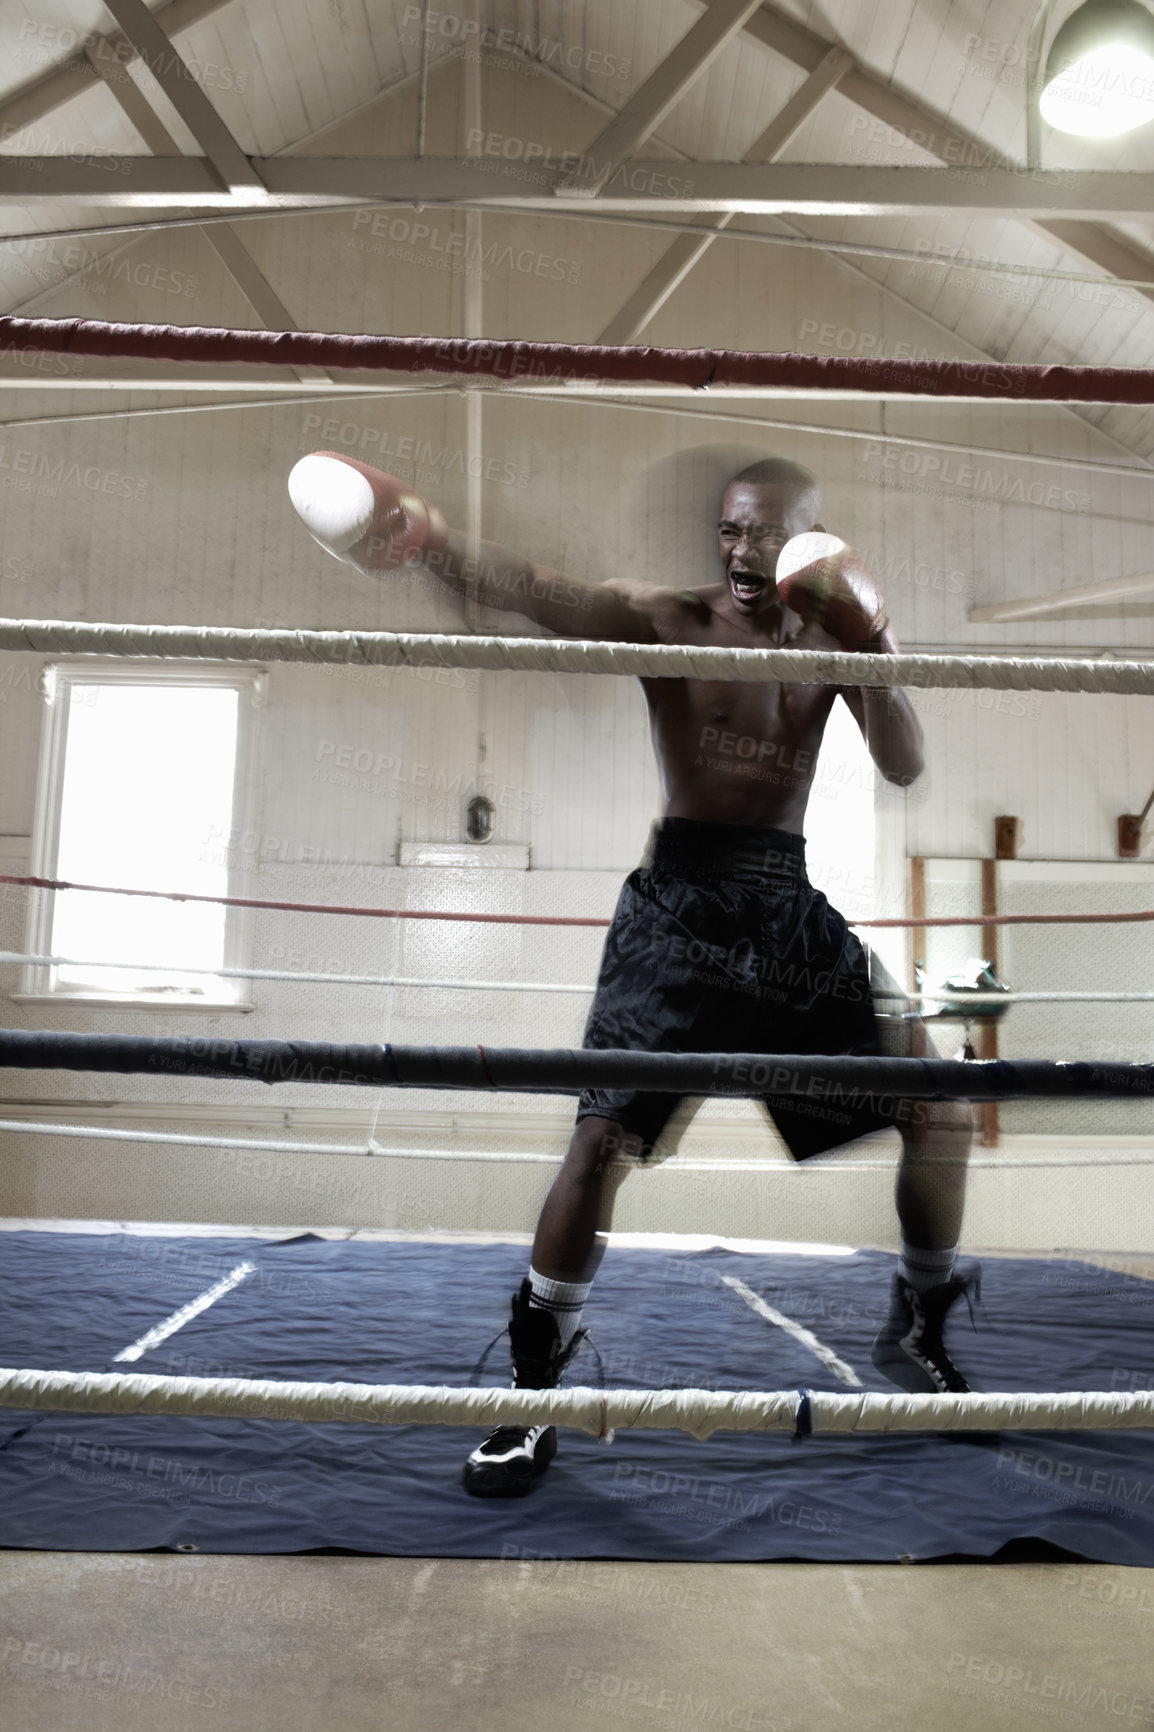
[(839, 822), (148, 782), (1110, 90)]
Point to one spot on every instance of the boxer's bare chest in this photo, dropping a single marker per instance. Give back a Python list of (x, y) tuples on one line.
[(738, 752)]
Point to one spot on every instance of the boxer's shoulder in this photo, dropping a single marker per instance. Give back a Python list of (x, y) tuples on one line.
[(688, 616), (677, 615)]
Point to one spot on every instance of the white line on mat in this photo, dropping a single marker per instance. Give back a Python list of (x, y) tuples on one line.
[(843, 1372), (162, 1331)]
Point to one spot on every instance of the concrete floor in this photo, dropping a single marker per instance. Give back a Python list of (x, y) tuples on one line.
[(273, 1644)]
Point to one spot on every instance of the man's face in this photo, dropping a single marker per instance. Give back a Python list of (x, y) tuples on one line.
[(757, 519)]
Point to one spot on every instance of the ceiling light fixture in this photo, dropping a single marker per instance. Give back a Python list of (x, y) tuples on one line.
[(1099, 79)]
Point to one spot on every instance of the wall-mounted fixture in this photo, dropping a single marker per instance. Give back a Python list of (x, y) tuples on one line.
[(479, 819), (1130, 832)]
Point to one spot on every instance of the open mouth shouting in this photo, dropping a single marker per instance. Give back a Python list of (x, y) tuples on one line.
[(747, 587)]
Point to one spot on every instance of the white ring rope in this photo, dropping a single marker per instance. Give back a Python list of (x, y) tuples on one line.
[(114, 1134), (700, 1412), (577, 656), (371, 1150), (957, 998), (397, 980), (524, 1157)]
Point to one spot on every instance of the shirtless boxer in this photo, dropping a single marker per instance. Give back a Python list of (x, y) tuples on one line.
[(723, 878)]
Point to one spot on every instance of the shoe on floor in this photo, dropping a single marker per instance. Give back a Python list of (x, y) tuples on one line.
[(513, 1456), (909, 1349), (509, 1460)]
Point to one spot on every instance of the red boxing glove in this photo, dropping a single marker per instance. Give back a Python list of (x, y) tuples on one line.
[(823, 580), (361, 515)]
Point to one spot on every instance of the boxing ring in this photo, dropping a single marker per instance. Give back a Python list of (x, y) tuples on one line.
[(710, 1461), (332, 1364), (734, 1440)]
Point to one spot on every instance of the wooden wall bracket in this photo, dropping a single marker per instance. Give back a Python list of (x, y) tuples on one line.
[(1007, 838), (1130, 832)]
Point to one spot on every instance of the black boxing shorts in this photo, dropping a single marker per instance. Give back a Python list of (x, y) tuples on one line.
[(721, 944)]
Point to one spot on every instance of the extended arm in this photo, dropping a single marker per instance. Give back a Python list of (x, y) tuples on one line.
[(380, 524), (569, 606)]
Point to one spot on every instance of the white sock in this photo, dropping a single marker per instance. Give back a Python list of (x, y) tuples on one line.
[(563, 1298), (925, 1269)]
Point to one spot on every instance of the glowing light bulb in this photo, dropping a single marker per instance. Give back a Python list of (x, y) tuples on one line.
[(1100, 71), (1107, 92)]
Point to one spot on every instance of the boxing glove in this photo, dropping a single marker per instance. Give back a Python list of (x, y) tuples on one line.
[(825, 581), (371, 520)]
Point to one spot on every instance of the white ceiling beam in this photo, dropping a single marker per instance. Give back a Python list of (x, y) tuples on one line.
[(948, 141), (256, 288), (210, 382), (1103, 249), (71, 76), (186, 95), (794, 43), (1043, 606), (649, 105), (221, 237), (133, 103), (822, 429), (1107, 252), (1098, 247), (199, 378), (111, 182), (764, 189), (899, 113), (678, 260)]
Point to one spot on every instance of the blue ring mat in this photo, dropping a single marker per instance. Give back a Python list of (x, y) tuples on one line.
[(419, 1312)]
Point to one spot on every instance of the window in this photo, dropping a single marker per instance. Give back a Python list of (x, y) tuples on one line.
[(145, 777)]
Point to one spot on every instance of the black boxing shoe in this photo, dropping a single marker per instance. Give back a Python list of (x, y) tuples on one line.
[(509, 1460), (513, 1456), (909, 1349)]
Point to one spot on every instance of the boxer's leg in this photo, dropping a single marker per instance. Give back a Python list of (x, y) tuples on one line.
[(931, 1184), (567, 1249), (642, 1004), (930, 1198), (569, 1242), (930, 1194)]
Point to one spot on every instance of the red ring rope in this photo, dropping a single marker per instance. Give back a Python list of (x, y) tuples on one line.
[(560, 362), (548, 919), (310, 907)]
